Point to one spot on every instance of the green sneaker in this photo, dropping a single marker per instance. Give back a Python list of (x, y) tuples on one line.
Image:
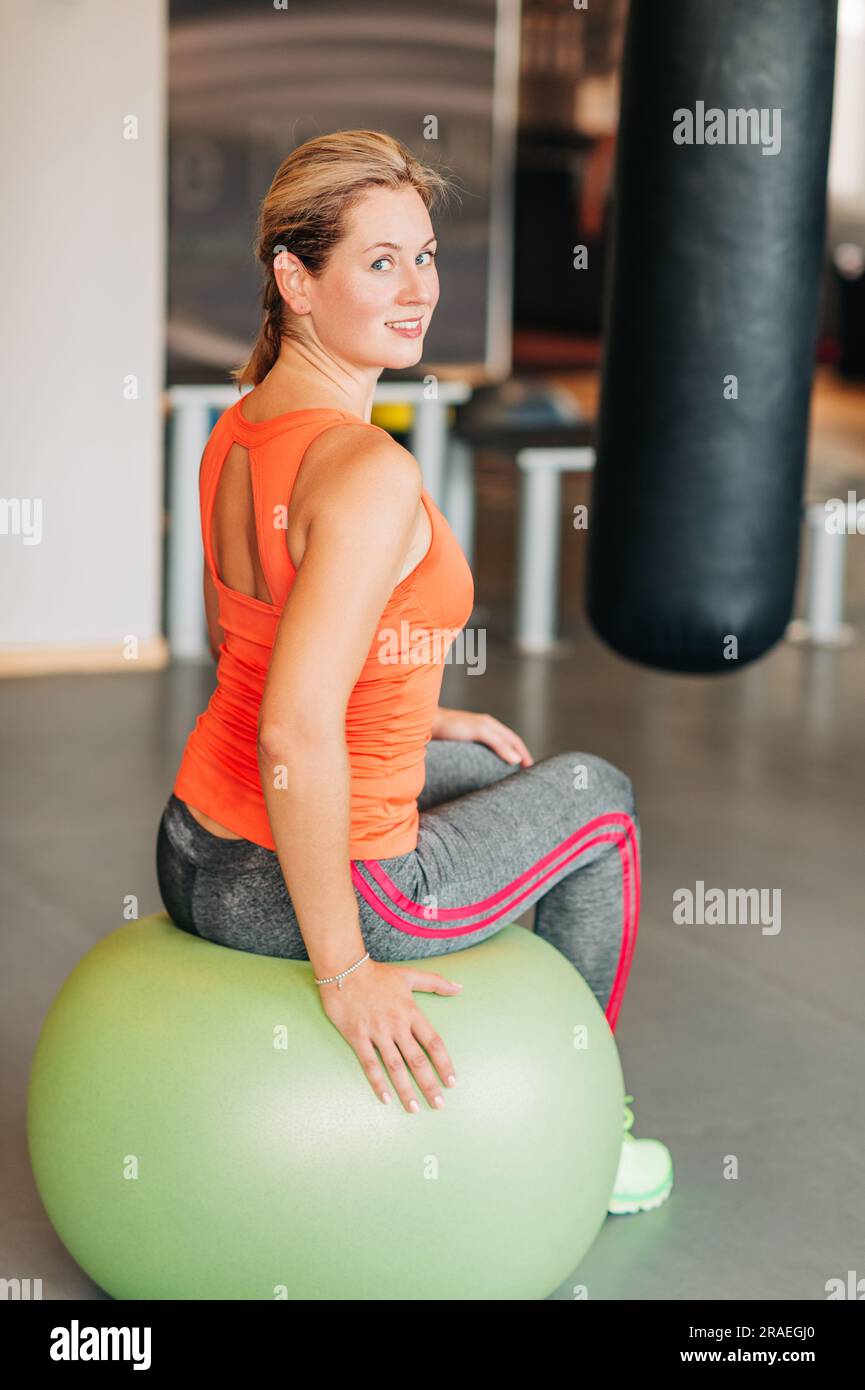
[(645, 1174)]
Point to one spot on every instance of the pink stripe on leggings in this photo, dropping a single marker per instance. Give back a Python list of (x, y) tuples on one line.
[(625, 839), (399, 899)]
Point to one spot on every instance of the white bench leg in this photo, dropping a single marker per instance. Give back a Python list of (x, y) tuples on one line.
[(459, 505), (826, 585), (429, 445), (538, 572), (823, 624)]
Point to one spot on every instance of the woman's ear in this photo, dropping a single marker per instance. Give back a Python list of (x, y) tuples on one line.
[(290, 276)]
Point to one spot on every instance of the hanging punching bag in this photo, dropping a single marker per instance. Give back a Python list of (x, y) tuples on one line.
[(710, 327)]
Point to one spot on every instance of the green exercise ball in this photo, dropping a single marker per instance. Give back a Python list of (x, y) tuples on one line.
[(198, 1129)]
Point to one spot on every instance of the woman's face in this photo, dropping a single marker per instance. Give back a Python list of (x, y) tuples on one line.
[(381, 274)]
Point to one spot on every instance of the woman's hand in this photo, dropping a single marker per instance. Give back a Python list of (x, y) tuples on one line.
[(481, 728), (375, 1009)]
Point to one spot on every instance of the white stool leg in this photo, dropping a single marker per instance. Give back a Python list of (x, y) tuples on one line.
[(460, 495), (826, 584), (538, 574), (824, 624), (428, 439)]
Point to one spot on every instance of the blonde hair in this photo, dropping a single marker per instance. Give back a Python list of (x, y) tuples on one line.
[(305, 211)]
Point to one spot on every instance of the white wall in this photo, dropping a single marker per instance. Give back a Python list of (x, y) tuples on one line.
[(83, 235)]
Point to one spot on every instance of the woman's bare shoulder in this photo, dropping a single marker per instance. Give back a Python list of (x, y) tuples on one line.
[(352, 454)]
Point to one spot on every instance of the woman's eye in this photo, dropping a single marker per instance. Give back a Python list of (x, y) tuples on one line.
[(383, 259)]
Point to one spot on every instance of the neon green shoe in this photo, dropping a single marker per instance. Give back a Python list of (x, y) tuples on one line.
[(645, 1174)]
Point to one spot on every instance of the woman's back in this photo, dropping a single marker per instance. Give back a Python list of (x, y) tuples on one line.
[(253, 546)]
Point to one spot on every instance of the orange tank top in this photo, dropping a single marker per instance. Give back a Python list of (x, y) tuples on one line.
[(391, 708)]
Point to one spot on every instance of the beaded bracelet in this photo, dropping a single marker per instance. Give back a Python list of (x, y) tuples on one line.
[(329, 979)]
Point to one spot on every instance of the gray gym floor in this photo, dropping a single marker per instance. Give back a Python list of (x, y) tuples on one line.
[(733, 1042)]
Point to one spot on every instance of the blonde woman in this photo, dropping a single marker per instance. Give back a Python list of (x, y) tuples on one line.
[(326, 807)]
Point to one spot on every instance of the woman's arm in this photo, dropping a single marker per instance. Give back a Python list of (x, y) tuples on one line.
[(364, 511), (362, 514)]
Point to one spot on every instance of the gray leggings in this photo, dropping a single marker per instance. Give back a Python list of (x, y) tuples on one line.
[(493, 840)]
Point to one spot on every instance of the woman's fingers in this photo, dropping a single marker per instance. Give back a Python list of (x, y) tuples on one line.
[(420, 1066), (393, 1059), (368, 1058), (485, 728), (429, 1039), (431, 983), (404, 1057), (507, 743), (388, 1033)]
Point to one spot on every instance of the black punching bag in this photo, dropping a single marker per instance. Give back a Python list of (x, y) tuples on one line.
[(710, 328)]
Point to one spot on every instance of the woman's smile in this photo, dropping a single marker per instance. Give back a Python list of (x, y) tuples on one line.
[(407, 328)]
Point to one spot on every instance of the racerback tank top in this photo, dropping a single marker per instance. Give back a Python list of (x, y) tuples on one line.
[(391, 708)]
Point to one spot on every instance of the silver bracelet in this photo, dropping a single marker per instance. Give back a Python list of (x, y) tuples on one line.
[(329, 979)]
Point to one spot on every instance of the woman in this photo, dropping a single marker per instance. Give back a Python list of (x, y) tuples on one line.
[(326, 808)]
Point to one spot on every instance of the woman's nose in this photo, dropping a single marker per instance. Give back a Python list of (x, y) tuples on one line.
[(414, 289)]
